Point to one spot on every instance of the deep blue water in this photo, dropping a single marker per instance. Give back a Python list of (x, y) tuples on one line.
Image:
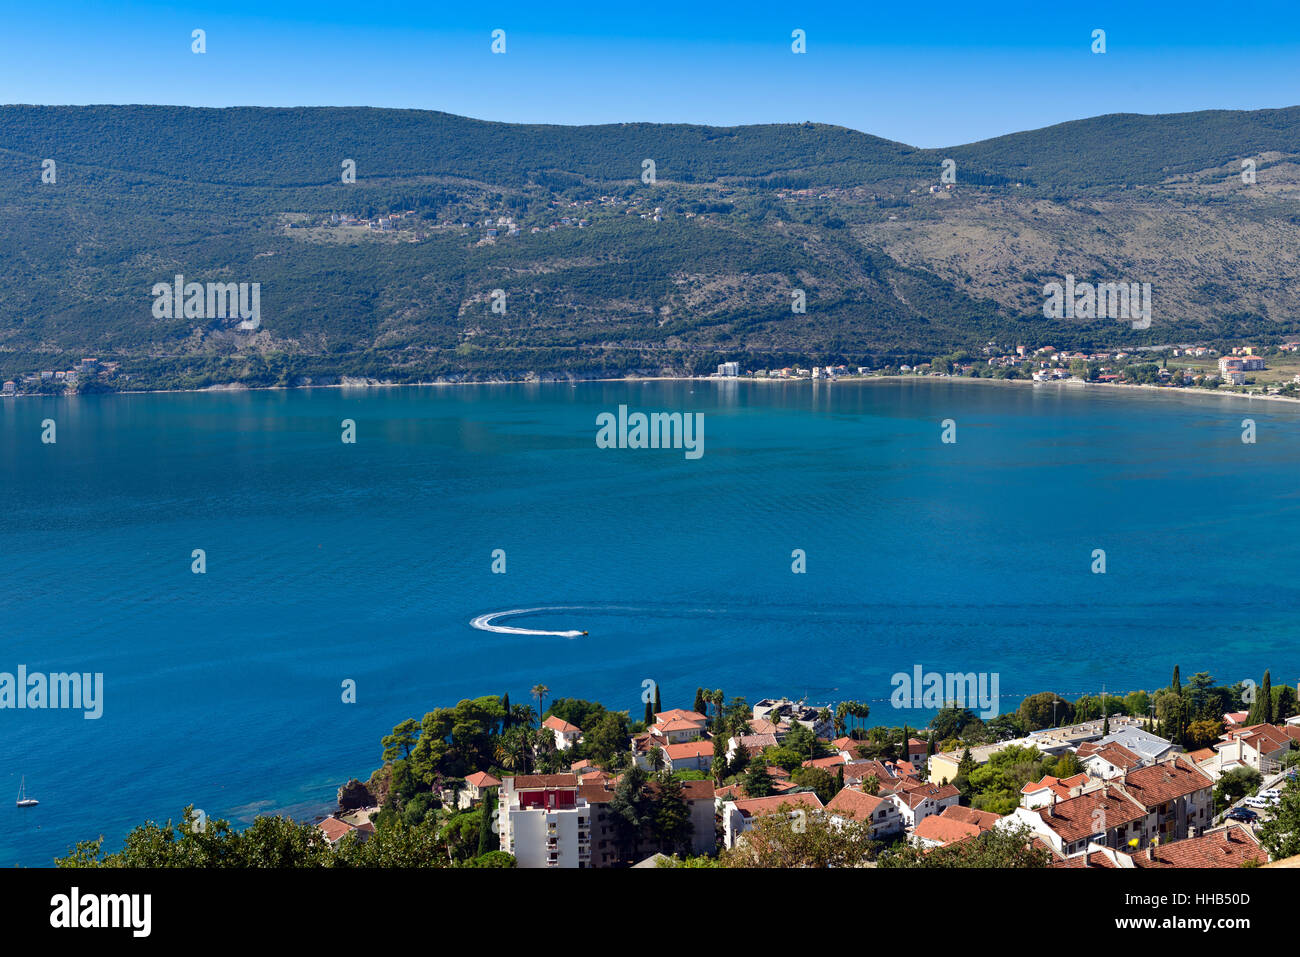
[(328, 561)]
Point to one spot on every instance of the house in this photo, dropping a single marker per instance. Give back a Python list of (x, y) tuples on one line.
[(688, 756), (335, 830), (1108, 760), (739, 816), (1257, 746), (1233, 846), (1232, 719), (955, 823), (939, 831), (984, 820), (1105, 816), (916, 749), (1177, 795), (566, 735), (753, 744), (1149, 747), (856, 772), (678, 725), (1051, 789), (881, 814), (918, 801), (850, 749), (475, 786)]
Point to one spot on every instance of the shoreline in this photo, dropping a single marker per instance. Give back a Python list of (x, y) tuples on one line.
[(1060, 383)]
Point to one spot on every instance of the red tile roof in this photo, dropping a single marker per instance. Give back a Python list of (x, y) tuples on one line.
[(1230, 847), (481, 779), (533, 782), (757, 807), (689, 749), (852, 803), (334, 829), (1092, 859), (1165, 781), (679, 714), (559, 724), (969, 815), (1076, 818), (945, 830), (828, 764)]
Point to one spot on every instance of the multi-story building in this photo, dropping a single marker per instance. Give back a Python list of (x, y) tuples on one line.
[(544, 822), (552, 820)]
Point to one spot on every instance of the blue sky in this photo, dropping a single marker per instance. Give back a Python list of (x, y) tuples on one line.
[(929, 74)]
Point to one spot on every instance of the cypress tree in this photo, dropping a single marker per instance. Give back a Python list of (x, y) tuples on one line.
[(700, 706), (658, 705), (1266, 696), (488, 839), (505, 704), (649, 713), (1176, 684)]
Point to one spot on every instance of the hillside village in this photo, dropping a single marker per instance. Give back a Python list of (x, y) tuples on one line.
[(709, 786)]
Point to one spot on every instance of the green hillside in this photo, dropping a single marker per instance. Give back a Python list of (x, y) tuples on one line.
[(746, 215)]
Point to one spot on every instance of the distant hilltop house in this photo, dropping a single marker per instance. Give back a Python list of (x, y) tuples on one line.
[(566, 735)]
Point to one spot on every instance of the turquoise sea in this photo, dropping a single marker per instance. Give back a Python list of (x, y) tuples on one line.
[(329, 561)]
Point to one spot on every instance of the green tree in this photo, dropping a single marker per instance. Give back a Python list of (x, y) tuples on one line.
[(995, 848), (540, 693), (1280, 834), (1261, 709), (806, 839), (399, 743), (488, 839), (819, 780), (1045, 710), (756, 781), (631, 810), (1235, 784)]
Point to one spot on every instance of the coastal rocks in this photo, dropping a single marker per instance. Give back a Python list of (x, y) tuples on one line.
[(354, 795)]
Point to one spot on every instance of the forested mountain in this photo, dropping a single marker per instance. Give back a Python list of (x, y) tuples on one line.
[(602, 272)]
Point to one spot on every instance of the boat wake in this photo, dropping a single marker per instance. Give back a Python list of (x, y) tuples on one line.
[(487, 623)]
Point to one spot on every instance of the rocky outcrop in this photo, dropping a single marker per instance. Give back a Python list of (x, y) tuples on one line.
[(354, 794)]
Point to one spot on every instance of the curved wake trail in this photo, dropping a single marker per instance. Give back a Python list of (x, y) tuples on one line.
[(486, 623)]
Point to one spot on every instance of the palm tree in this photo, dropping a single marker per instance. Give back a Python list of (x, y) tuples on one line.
[(540, 692)]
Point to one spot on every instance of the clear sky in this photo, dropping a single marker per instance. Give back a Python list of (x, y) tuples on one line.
[(929, 74)]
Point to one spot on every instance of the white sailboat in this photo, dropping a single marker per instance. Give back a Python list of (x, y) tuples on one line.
[(23, 799)]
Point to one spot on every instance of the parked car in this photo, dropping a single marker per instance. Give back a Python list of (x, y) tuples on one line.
[(1242, 814), (1258, 802)]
